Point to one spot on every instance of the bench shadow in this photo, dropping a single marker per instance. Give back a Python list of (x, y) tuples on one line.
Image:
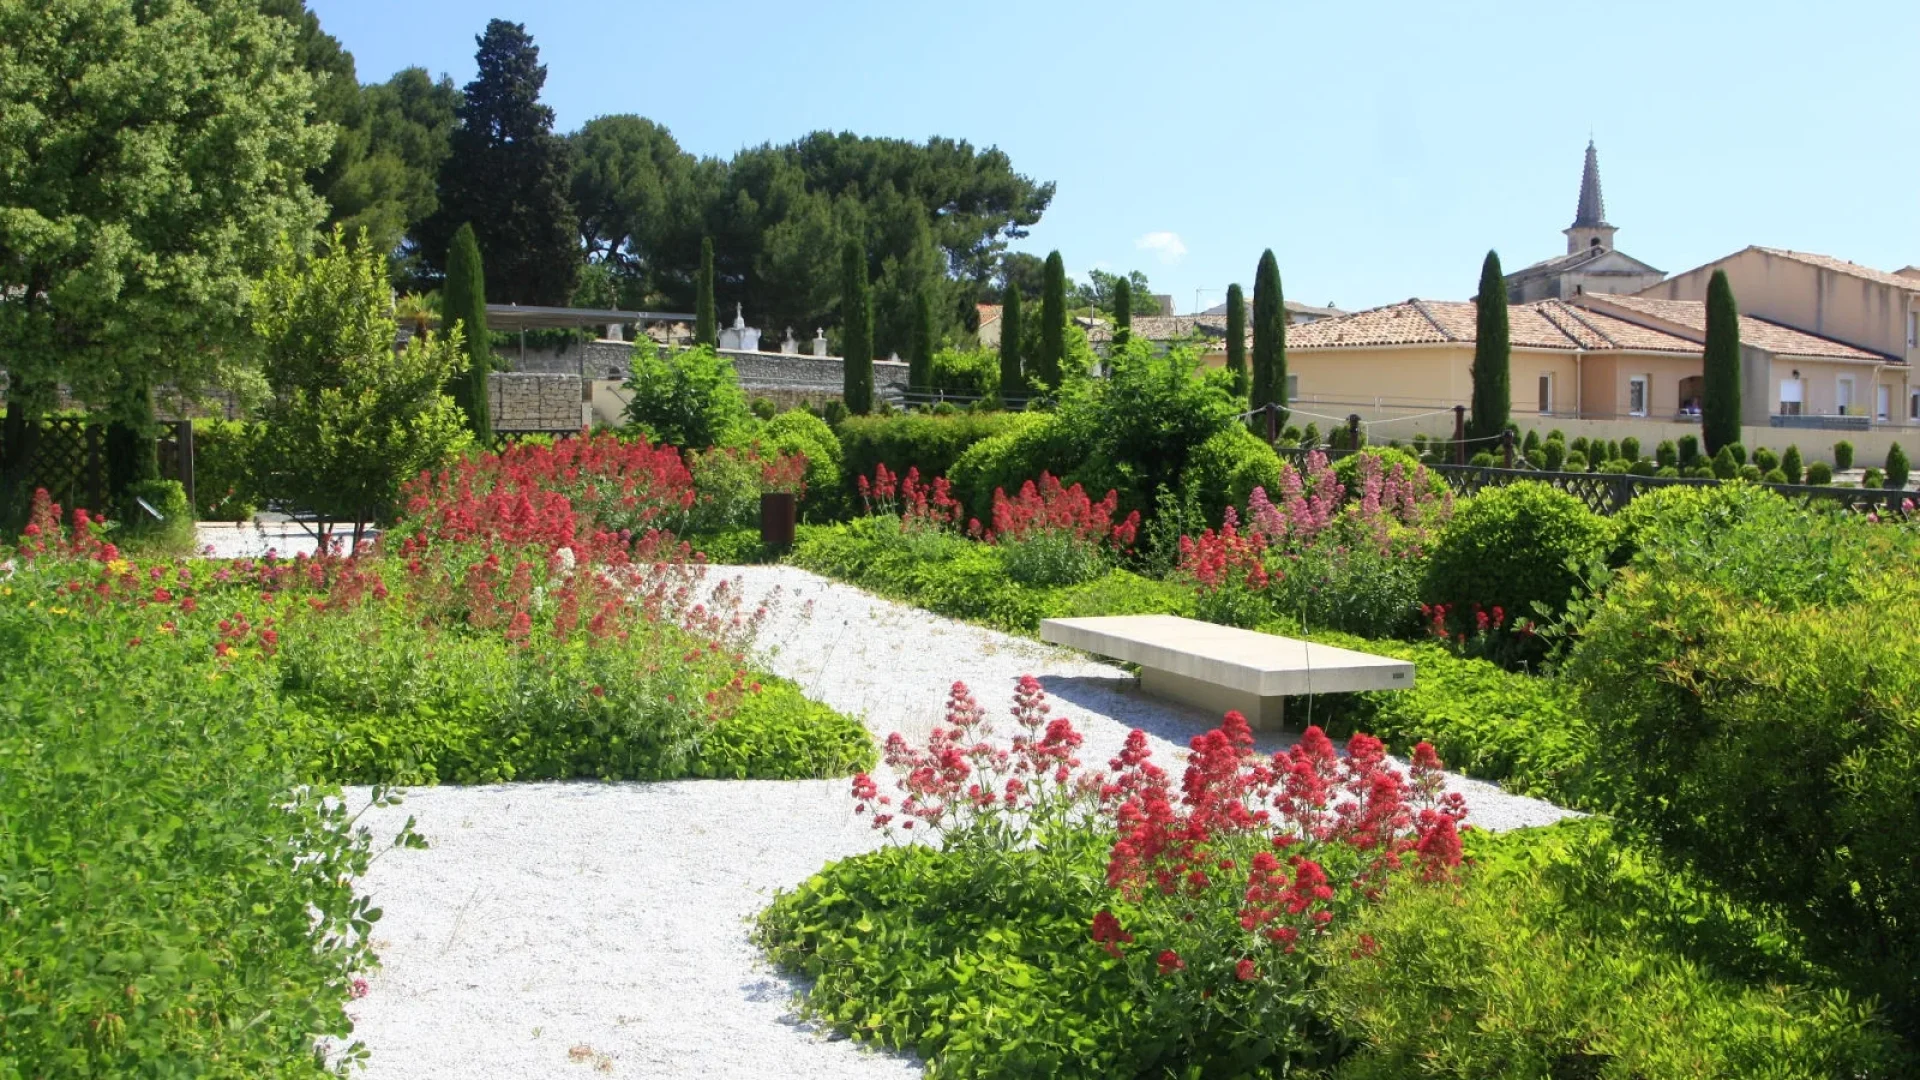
[(1122, 700)]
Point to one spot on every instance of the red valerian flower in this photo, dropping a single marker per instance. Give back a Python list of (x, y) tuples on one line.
[(1169, 962), (1108, 933), (1246, 970)]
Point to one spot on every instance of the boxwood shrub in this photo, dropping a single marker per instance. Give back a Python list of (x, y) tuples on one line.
[(1509, 546)]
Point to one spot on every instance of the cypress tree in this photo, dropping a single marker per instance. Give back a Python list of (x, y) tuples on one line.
[(1720, 389), (920, 358), (463, 303), (1492, 355), (1053, 323), (706, 323), (508, 175), (1122, 312), (1269, 336), (1237, 342), (856, 327), (1012, 382)]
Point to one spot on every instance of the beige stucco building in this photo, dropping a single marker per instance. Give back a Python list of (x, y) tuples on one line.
[(1603, 357), (1875, 311)]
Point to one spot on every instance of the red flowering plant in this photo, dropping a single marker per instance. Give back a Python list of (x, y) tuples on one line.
[(1484, 632), (1055, 535), (922, 506), (1228, 571), (1217, 894)]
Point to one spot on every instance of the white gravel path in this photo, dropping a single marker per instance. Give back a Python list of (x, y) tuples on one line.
[(591, 929)]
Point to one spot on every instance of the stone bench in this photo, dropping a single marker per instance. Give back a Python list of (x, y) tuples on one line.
[(1221, 668)]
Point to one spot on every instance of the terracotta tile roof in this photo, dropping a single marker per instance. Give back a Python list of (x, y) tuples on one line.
[(1546, 324), (988, 312), (1842, 266), (1761, 333)]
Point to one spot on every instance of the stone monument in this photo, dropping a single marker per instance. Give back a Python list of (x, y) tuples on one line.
[(740, 337)]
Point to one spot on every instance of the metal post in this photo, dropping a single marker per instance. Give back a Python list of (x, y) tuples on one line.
[(1459, 434), (1353, 432), (1506, 448)]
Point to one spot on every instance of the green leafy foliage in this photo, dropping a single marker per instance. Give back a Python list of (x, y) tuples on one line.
[(798, 431), (690, 399), (1898, 467), (970, 372), (1842, 456), (1564, 953), (224, 469), (1820, 473), (1226, 468), (1772, 744), (1509, 546), (931, 444), (157, 519), (1791, 466)]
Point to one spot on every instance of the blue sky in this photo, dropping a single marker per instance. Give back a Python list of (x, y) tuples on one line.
[(1379, 148)]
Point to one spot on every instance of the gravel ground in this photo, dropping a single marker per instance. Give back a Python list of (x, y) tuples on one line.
[(555, 929), (254, 539)]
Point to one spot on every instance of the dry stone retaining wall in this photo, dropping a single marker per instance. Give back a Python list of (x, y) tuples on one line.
[(529, 402)]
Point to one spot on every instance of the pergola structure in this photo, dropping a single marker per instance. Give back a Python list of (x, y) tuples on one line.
[(517, 317)]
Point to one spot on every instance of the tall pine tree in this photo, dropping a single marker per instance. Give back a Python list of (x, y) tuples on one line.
[(1492, 355), (1720, 382), (1053, 324), (1269, 336), (1013, 382), (1122, 312), (510, 176), (1237, 342), (706, 322), (856, 328), (920, 356), (463, 303)]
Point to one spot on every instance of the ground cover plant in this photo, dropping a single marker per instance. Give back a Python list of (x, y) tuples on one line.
[(175, 866), (1087, 921)]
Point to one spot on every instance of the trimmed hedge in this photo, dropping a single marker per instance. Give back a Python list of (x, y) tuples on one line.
[(914, 440)]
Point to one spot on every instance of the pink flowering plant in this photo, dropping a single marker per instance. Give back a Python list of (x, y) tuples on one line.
[(1209, 898)]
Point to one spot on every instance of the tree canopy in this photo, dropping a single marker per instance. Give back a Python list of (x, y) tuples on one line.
[(510, 176)]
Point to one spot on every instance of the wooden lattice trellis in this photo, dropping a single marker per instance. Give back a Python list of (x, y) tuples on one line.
[(70, 460)]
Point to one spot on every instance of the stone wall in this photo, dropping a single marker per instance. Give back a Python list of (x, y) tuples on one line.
[(529, 402), (765, 371), (599, 359)]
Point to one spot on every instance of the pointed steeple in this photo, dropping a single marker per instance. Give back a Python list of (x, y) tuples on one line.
[(1590, 230), (1592, 213)]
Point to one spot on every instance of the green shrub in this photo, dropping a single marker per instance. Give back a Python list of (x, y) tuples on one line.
[(1689, 451), (1576, 462), (1739, 453), (1614, 466), (1751, 474), (972, 372), (1482, 460), (1724, 467), (1842, 456), (1613, 451), (1872, 478), (1508, 546), (1775, 476), (1555, 453), (835, 413), (764, 408), (1582, 446), (1138, 428), (1033, 444), (1897, 467), (177, 901), (225, 486), (1556, 956), (1537, 459), (1790, 465), (1746, 538), (727, 485), (1630, 448), (1226, 468), (1773, 747), (797, 431), (1765, 459), (1310, 438), (1666, 455), (931, 444), (1820, 474), (1531, 443), (156, 518), (690, 399), (1668, 471), (1642, 467), (777, 734)]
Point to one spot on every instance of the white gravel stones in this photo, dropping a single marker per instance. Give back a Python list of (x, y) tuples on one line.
[(604, 928)]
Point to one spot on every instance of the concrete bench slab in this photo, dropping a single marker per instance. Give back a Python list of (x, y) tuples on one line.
[(1219, 668)]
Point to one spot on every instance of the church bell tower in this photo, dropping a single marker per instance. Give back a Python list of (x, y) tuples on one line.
[(1590, 228)]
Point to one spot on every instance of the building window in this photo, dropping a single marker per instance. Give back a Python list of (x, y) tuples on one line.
[(1792, 393), (1913, 405), (1843, 395), (1546, 393), (1293, 387), (1637, 395), (1913, 329), (1882, 403)]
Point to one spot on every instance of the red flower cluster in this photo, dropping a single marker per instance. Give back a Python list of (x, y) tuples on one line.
[(1049, 509), (920, 505), (46, 535), (1228, 558)]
